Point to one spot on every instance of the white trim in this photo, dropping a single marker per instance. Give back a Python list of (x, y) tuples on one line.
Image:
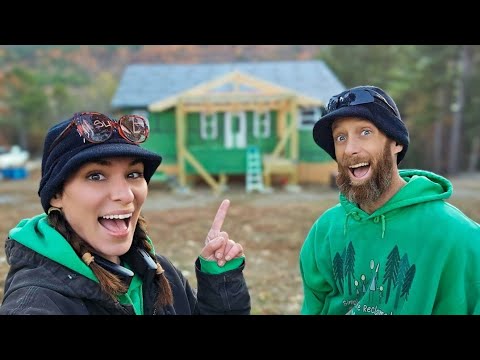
[(208, 126), (262, 120), (308, 116), (235, 140)]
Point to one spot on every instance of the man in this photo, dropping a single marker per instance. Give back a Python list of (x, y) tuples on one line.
[(392, 245)]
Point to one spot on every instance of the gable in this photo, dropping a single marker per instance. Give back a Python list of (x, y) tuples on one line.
[(143, 85), (234, 87)]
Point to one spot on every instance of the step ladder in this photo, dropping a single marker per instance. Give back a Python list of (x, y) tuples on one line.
[(254, 175)]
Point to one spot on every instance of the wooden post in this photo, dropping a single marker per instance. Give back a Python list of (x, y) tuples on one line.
[(201, 170), (281, 122), (181, 128), (222, 179), (294, 135)]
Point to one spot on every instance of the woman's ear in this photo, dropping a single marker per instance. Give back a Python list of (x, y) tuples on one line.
[(56, 201)]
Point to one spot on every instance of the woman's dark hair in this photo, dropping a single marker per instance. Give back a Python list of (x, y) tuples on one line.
[(110, 283)]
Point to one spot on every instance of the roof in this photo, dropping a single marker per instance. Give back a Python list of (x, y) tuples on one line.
[(144, 84)]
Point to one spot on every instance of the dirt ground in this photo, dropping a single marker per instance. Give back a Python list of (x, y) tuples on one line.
[(271, 228)]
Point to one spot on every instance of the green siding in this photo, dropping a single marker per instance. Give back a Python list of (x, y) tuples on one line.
[(163, 137), (218, 161), (211, 153), (309, 150), (194, 137)]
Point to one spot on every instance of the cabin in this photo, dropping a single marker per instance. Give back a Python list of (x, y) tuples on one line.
[(243, 119)]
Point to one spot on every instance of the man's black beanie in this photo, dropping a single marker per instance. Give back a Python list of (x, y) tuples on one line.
[(377, 112)]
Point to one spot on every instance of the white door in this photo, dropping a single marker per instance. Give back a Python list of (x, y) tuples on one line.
[(235, 130)]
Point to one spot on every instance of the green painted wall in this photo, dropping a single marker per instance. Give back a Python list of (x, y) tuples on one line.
[(309, 151), (163, 137), (211, 153)]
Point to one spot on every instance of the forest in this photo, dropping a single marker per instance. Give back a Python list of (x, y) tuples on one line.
[(436, 87)]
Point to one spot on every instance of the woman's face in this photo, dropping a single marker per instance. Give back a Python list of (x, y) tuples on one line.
[(102, 203)]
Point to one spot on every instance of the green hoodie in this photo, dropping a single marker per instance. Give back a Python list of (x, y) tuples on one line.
[(417, 254), (38, 235)]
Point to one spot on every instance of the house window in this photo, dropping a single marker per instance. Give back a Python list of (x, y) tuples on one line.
[(308, 116), (261, 125), (208, 126)]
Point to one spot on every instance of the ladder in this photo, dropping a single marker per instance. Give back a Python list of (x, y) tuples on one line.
[(254, 176)]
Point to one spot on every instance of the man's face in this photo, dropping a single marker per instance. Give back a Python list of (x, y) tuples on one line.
[(365, 158)]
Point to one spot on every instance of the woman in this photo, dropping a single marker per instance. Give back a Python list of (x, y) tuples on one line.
[(90, 252)]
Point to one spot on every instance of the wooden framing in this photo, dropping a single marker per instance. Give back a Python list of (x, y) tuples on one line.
[(210, 92), (181, 129), (233, 92)]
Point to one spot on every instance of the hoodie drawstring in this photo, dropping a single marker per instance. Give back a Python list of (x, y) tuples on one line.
[(345, 224), (383, 225), (376, 219)]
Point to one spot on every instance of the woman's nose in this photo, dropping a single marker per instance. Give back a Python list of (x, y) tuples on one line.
[(122, 191)]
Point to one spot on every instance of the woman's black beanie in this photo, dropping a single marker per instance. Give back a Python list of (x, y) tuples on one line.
[(73, 151)]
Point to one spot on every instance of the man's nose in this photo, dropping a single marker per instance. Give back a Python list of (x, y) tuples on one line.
[(352, 147)]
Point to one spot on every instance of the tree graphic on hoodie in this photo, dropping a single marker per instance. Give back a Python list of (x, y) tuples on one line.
[(338, 270), (404, 265), (391, 271), (408, 281), (350, 266)]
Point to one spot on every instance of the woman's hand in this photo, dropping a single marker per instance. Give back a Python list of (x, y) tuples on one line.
[(217, 244)]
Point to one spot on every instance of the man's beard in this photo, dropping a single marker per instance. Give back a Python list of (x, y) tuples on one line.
[(371, 190)]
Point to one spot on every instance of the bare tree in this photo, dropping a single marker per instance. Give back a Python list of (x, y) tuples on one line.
[(465, 61), (438, 130)]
